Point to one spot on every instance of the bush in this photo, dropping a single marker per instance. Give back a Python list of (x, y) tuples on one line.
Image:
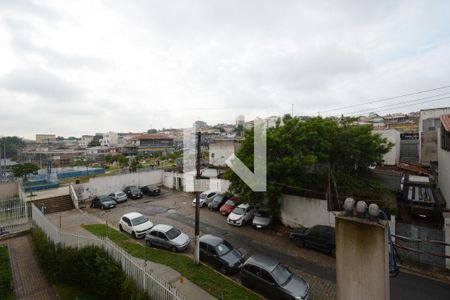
[(5, 274), (89, 268)]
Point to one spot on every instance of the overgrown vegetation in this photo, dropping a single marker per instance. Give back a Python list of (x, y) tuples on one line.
[(90, 269), (6, 290), (317, 155), (209, 280)]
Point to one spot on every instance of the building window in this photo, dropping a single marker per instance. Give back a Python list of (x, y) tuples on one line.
[(212, 155), (445, 139)]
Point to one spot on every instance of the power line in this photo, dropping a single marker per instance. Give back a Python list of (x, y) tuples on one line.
[(386, 99), (403, 102)]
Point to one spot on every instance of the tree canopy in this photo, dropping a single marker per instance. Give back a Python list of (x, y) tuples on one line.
[(300, 153), (94, 143), (13, 143), (21, 170)]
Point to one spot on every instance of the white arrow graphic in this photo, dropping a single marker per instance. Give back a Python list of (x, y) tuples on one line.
[(256, 180)]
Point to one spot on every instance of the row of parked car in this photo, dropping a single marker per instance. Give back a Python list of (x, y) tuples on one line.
[(258, 272), (318, 237), (130, 192), (238, 215)]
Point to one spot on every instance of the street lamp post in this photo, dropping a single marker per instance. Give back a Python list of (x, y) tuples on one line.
[(197, 202)]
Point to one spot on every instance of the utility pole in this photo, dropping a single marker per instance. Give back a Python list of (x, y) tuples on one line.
[(197, 202)]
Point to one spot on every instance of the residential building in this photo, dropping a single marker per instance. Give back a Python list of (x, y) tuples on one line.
[(220, 149), (42, 156), (392, 158), (148, 143), (444, 157), (429, 123), (109, 139), (199, 125), (85, 140), (45, 138), (240, 120)]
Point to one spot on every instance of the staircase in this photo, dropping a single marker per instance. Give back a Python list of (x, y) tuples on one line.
[(55, 204)]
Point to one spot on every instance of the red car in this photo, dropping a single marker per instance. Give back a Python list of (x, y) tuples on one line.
[(228, 207)]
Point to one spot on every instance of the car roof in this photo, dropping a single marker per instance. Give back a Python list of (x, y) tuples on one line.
[(103, 196), (132, 215), (244, 205), (162, 227), (263, 261), (210, 191), (211, 239)]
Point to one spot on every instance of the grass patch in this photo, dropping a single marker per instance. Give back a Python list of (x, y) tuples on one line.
[(67, 292), (209, 280), (6, 290)]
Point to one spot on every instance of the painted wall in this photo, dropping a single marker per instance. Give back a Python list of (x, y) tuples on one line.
[(8, 190), (444, 171), (299, 211), (109, 184), (185, 182), (391, 158), (429, 122), (362, 259)]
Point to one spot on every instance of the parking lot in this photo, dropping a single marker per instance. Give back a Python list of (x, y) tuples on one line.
[(175, 208)]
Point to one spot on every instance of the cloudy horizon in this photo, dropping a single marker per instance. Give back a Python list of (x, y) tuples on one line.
[(80, 67)]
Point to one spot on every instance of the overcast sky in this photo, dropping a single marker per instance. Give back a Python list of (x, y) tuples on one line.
[(79, 67)]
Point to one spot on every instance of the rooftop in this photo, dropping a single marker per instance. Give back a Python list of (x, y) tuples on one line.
[(445, 120), (152, 137)]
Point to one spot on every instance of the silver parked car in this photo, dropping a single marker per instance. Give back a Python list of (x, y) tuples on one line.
[(119, 196), (263, 219), (167, 236)]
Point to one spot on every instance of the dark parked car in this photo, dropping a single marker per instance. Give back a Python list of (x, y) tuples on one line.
[(217, 202), (103, 202), (264, 274), (150, 190), (220, 254), (319, 237), (133, 192)]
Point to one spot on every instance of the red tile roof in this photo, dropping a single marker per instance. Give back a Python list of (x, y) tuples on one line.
[(445, 120)]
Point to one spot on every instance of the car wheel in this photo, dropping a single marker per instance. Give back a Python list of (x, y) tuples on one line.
[(223, 270), (299, 242), (148, 242), (120, 227), (133, 234), (333, 252), (173, 249)]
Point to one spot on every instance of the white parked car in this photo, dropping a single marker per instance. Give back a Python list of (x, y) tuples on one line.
[(119, 196), (135, 224), (242, 214), (205, 198)]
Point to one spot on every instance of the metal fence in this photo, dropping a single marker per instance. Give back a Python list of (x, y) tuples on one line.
[(14, 215), (154, 287)]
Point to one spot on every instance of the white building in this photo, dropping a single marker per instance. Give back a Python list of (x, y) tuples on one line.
[(110, 139), (85, 140), (220, 149), (444, 157), (391, 158), (429, 123), (240, 120)]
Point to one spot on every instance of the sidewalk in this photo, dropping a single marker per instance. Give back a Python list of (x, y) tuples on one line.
[(71, 222), (29, 281)]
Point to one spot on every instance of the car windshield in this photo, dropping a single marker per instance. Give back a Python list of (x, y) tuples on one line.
[(203, 195), (230, 202), (281, 274), (105, 199), (121, 194), (217, 199), (239, 210), (173, 233), (223, 248), (262, 213), (139, 220)]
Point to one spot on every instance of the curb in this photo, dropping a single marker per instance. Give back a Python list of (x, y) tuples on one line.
[(426, 274)]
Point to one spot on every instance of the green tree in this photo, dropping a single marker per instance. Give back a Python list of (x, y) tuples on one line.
[(12, 143), (21, 170), (94, 143), (300, 154), (152, 131)]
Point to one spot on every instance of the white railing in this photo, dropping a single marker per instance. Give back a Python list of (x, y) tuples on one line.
[(155, 287), (14, 215), (74, 197)]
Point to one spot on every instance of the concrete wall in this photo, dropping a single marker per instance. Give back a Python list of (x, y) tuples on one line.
[(301, 211), (429, 117), (444, 171), (109, 184), (447, 237), (185, 182), (428, 147), (362, 259), (391, 158), (220, 151), (8, 190)]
